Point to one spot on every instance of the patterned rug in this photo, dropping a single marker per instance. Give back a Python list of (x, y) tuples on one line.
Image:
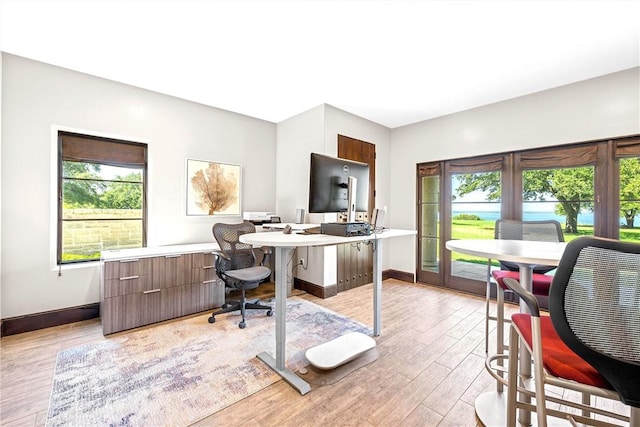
[(180, 372)]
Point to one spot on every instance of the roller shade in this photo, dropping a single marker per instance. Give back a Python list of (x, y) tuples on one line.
[(77, 148), (628, 147), (554, 158), (472, 165), (429, 169)]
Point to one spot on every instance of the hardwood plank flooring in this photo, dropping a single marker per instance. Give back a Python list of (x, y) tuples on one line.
[(430, 369)]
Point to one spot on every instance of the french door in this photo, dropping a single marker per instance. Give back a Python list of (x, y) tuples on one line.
[(590, 188)]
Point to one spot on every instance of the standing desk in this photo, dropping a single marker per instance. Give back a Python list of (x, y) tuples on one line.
[(490, 407), (284, 245)]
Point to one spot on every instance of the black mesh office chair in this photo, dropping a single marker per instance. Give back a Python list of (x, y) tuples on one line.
[(590, 343), (239, 268)]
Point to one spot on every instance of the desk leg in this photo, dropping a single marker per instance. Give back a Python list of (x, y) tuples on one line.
[(377, 287), (278, 363)]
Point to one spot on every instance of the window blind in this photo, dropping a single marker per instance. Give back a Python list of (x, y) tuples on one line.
[(80, 148)]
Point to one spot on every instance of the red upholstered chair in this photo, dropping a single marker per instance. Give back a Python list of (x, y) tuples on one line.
[(590, 343), (546, 231), (541, 284)]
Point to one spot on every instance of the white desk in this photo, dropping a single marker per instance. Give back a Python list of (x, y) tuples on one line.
[(491, 407), (284, 244), (275, 226), (153, 251)]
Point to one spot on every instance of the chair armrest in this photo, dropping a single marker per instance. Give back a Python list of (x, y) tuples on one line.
[(526, 296), (267, 250), (220, 254), (261, 253)]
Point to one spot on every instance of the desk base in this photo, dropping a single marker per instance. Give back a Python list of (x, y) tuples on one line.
[(287, 374)]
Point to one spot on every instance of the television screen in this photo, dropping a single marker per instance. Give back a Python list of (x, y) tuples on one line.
[(329, 184)]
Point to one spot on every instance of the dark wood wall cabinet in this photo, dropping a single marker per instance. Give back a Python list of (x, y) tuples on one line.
[(355, 265), (355, 262), (148, 285)]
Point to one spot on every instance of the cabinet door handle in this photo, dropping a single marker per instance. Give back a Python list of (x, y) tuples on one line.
[(172, 256), (152, 291), (129, 277), (209, 281), (208, 266), (122, 261)]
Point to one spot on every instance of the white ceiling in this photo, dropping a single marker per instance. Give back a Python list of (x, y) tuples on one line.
[(393, 62)]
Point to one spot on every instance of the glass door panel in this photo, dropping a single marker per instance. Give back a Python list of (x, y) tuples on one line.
[(563, 194), (475, 206), (430, 224), (630, 199)]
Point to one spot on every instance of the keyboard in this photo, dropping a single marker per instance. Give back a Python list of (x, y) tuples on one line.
[(312, 230)]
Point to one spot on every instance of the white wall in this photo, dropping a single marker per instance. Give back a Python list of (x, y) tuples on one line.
[(297, 137), (316, 130), (1, 58), (603, 107), (37, 97), (339, 122)]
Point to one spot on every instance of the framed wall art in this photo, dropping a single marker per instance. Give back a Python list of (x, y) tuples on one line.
[(213, 188)]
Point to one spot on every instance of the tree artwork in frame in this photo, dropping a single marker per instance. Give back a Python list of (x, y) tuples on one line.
[(213, 188)]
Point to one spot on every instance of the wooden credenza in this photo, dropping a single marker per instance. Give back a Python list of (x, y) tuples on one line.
[(147, 285)]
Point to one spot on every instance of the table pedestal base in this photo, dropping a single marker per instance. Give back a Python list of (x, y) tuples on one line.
[(287, 374), (491, 411)]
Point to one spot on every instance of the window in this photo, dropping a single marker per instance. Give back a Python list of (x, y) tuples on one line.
[(101, 196), (560, 184), (563, 194), (629, 196), (627, 154)]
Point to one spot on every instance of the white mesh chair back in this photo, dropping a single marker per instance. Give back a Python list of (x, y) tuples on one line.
[(542, 231)]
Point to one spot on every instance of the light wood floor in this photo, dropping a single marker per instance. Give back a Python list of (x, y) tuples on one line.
[(430, 369)]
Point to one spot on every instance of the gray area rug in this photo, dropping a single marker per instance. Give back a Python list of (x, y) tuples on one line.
[(180, 372)]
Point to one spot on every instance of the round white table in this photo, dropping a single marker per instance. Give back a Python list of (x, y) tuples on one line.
[(490, 407)]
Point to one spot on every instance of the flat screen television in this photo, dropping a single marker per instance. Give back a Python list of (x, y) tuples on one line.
[(338, 185)]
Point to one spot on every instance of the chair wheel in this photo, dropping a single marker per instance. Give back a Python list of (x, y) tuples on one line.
[(270, 313), (225, 305), (241, 325), (212, 319)]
